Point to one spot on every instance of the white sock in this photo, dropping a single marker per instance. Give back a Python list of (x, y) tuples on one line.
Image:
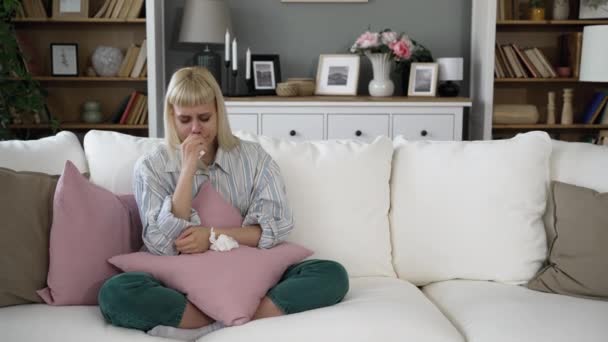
[(184, 334)]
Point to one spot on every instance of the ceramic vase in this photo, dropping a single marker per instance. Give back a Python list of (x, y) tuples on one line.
[(381, 84)]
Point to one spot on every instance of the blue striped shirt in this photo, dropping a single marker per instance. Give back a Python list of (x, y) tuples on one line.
[(245, 176)]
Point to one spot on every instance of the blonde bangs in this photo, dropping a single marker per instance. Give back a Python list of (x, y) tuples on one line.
[(190, 91)]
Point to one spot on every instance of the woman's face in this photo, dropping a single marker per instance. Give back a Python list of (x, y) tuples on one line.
[(196, 120)]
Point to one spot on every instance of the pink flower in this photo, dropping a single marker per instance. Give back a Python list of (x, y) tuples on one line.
[(368, 40), (402, 48), (389, 37)]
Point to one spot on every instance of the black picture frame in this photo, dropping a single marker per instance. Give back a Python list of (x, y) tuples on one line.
[(266, 74), (64, 59)]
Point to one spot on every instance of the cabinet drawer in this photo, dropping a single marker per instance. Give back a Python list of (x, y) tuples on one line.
[(424, 127), (293, 126), (361, 127), (244, 122)]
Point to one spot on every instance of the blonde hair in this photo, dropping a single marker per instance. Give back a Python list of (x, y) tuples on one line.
[(194, 86)]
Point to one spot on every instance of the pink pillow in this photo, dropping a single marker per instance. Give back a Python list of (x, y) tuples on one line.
[(214, 210), (227, 286), (90, 225)]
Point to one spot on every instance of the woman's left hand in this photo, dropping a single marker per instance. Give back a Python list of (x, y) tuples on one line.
[(193, 240)]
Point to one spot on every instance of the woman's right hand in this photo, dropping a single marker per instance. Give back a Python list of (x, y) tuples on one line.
[(192, 147)]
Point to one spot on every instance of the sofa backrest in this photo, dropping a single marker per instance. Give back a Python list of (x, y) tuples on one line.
[(580, 164)]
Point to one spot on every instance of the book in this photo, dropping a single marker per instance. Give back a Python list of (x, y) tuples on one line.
[(594, 107), (141, 59), (120, 109), (100, 13), (537, 63), (129, 108), (526, 63), (135, 9), (543, 59)]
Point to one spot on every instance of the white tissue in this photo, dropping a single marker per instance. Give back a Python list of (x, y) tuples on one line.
[(222, 243), (201, 154)]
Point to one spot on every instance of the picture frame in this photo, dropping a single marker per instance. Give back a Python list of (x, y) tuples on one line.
[(423, 79), (337, 74), (589, 9), (67, 9), (266, 72), (64, 59)]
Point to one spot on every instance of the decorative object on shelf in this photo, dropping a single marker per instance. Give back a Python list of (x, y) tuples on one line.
[(450, 70), (594, 67), (266, 71), (564, 71), (70, 8), (423, 79), (64, 59), (513, 114), (561, 9), (567, 117), (306, 86), (337, 75), (551, 108), (206, 22), (91, 72), (287, 89), (107, 60), (91, 112), (381, 84), (593, 9), (537, 10)]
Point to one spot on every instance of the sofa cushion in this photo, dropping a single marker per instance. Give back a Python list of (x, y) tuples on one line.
[(469, 210), (339, 193), (46, 155), (488, 311), (227, 286), (112, 156), (26, 205), (41, 322), (580, 164), (90, 225), (578, 259)]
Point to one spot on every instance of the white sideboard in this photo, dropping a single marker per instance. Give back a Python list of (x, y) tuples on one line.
[(363, 118)]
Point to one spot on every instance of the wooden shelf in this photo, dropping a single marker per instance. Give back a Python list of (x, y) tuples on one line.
[(536, 80), (79, 126), (550, 22), (78, 21), (573, 127), (84, 79)]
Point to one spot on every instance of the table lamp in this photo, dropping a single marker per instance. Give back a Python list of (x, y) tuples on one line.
[(450, 70), (594, 58), (206, 22)]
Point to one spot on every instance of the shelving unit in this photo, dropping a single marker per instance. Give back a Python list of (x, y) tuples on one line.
[(66, 95)]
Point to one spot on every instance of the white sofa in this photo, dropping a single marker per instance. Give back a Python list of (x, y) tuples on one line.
[(402, 287)]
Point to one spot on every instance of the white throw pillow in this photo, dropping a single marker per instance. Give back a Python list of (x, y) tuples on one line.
[(469, 210), (339, 193), (112, 157), (46, 155)]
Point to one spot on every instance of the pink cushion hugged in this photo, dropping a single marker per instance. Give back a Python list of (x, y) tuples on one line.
[(90, 225), (214, 210), (227, 286)]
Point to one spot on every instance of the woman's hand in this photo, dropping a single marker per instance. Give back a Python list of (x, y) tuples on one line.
[(193, 240), (192, 147)]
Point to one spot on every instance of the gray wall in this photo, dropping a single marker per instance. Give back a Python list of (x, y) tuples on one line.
[(300, 32)]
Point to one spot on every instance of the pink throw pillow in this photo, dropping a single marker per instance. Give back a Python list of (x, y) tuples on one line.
[(227, 286), (214, 210), (90, 225)]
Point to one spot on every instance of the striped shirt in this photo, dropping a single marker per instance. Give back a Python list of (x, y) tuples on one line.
[(245, 176)]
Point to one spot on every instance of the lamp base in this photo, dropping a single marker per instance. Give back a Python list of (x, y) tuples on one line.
[(448, 89), (210, 60)]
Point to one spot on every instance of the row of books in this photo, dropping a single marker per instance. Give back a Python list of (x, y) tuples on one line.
[(133, 110), (134, 64), (120, 9), (31, 9)]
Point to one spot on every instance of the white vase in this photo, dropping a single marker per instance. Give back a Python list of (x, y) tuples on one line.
[(561, 9), (381, 85)]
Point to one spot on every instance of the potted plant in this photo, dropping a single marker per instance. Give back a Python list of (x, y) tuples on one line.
[(20, 95), (537, 10)]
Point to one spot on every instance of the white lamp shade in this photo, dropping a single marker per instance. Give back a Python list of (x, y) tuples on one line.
[(594, 58), (450, 69), (205, 21)]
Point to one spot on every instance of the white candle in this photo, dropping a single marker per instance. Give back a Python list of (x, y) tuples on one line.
[(227, 46), (248, 64), (234, 56)]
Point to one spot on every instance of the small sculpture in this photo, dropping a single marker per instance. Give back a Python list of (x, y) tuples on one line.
[(551, 108), (106, 60), (567, 110)]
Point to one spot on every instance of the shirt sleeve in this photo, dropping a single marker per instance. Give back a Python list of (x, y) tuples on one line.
[(153, 195), (270, 208)]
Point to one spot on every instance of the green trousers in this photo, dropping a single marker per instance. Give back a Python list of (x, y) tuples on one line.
[(136, 300)]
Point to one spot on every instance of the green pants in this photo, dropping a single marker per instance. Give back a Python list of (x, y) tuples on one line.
[(136, 300)]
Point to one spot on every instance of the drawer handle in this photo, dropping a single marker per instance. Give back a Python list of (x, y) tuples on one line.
[(358, 133), (424, 133), (292, 133)]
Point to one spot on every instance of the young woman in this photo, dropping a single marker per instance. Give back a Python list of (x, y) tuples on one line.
[(201, 148)]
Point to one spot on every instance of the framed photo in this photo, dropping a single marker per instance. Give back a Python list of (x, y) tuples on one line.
[(266, 71), (64, 59), (337, 75), (423, 79), (593, 9), (70, 9)]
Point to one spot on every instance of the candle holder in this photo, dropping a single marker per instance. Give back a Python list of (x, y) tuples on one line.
[(234, 89), (250, 89), (227, 66)]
